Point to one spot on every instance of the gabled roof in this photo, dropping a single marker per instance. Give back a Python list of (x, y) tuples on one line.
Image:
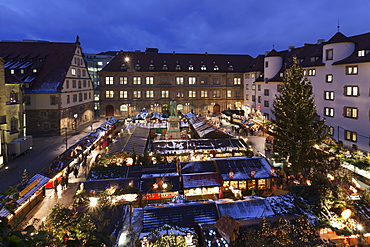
[(51, 59), (338, 38)]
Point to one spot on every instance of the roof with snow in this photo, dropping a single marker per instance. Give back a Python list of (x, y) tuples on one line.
[(198, 145), (34, 184), (246, 209), (242, 167), (198, 180), (181, 215)]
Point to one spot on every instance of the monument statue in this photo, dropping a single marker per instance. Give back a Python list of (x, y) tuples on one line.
[(173, 108)]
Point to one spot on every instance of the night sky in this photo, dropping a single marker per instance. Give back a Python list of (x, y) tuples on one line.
[(185, 26)]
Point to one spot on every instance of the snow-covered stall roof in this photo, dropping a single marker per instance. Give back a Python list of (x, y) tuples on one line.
[(197, 166), (34, 184), (242, 167), (181, 215), (243, 210), (197, 145), (201, 180)]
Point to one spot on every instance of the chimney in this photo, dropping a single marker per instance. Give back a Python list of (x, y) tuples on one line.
[(290, 48), (320, 41)]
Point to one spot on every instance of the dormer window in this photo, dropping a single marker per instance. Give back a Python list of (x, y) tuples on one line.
[(362, 53), (41, 60), (203, 67), (12, 71), (191, 67), (164, 67), (123, 66), (137, 66), (22, 71), (35, 71), (178, 67), (151, 67), (231, 68), (216, 67), (315, 58)]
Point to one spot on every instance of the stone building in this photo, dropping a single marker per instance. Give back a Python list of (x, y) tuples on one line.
[(204, 83), (58, 88)]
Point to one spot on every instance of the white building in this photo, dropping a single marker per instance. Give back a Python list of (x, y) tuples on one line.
[(339, 70)]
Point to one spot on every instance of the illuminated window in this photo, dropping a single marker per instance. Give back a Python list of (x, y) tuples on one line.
[(192, 80), (136, 80), (178, 67), (137, 94), (329, 78), (149, 80), (215, 67), (165, 94), (180, 94), (328, 112), (109, 80), (164, 67), (311, 72), (229, 93), (191, 67), (123, 94), (203, 94), (150, 94), (351, 91), (109, 94), (350, 112), (237, 81), (73, 71), (123, 80), (179, 80), (203, 67), (192, 94), (351, 70), (350, 135), (328, 95)]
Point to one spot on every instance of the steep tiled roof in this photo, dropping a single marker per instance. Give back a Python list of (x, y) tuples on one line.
[(179, 62), (9, 78), (362, 43), (51, 60), (339, 38)]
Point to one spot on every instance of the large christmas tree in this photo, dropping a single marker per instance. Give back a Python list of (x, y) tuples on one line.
[(296, 127)]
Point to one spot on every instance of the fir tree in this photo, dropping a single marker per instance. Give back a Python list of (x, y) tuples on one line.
[(295, 127)]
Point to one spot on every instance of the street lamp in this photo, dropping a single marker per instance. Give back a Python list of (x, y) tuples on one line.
[(75, 120)]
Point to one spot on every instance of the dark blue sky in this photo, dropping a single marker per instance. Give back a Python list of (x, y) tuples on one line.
[(190, 26)]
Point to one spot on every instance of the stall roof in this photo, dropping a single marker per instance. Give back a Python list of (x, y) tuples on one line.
[(242, 167), (34, 184), (244, 210), (197, 167), (181, 215), (202, 180), (197, 145)]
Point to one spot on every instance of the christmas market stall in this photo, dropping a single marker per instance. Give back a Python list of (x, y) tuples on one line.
[(200, 180), (200, 149), (245, 176), (31, 193)]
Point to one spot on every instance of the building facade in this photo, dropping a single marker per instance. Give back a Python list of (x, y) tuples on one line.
[(339, 71), (95, 63), (58, 88), (12, 111), (204, 83)]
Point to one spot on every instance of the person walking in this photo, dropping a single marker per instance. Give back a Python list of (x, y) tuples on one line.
[(55, 185), (63, 182), (75, 171)]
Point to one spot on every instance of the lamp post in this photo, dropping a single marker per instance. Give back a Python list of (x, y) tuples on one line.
[(66, 139), (75, 120)]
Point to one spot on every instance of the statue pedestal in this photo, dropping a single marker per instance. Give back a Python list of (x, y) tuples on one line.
[(173, 129)]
